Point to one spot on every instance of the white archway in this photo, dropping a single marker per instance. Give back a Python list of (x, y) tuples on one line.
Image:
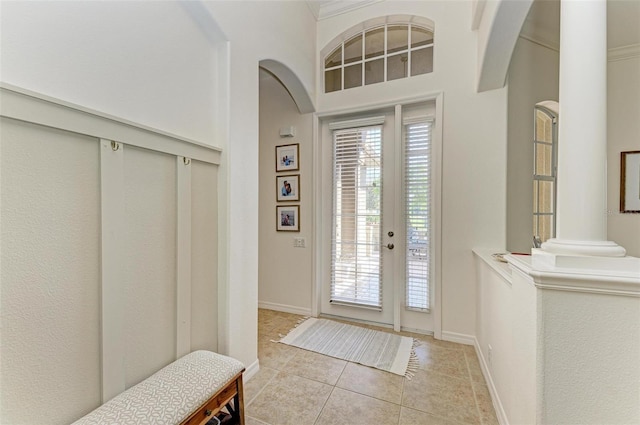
[(497, 35), (292, 83)]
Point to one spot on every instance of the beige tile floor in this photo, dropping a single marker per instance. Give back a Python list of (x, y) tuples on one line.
[(298, 387)]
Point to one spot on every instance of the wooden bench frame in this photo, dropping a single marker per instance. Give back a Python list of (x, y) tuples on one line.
[(233, 391)]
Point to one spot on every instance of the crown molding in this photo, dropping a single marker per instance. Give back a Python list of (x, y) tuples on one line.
[(329, 9), (613, 54)]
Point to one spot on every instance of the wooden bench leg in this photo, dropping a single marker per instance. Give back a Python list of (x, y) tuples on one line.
[(237, 410)]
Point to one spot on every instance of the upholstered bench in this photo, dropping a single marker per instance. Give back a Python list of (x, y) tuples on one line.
[(189, 391)]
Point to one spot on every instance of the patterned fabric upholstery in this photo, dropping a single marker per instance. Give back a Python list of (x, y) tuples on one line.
[(169, 396)]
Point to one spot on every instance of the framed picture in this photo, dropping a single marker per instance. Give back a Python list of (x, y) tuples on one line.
[(288, 218), (288, 187), (287, 157), (630, 182)]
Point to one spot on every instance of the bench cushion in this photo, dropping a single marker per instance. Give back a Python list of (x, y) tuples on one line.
[(170, 395)]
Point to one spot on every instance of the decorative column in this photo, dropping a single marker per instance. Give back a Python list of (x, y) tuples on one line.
[(582, 142)]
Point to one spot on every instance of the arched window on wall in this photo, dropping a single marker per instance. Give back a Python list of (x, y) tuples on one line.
[(380, 52)]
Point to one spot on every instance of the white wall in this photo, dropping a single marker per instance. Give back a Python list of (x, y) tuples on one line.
[(143, 61), (564, 345), (149, 62), (285, 272), (506, 338), (277, 30), (589, 346), (91, 248), (623, 134), (50, 249), (150, 275), (533, 77), (146, 62), (474, 142)]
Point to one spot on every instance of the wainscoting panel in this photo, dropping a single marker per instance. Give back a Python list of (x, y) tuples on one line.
[(150, 274), (109, 255), (50, 255), (204, 256)]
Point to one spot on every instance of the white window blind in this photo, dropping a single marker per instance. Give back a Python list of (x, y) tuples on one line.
[(357, 195), (417, 198)]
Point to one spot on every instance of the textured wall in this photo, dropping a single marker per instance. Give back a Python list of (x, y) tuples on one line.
[(589, 351), (50, 254), (150, 274), (204, 256), (506, 322), (56, 312)]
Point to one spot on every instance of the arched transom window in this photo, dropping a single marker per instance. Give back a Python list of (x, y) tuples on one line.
[(378, 54)]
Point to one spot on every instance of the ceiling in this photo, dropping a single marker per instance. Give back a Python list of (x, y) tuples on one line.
[(542, 23)]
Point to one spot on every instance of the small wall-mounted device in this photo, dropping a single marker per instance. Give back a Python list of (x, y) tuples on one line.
[(287, 131)]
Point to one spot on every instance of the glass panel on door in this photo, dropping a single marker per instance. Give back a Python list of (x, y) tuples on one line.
[(356, 260)]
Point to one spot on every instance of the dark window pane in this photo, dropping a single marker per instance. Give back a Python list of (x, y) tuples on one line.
[(353, 76), (422, 61), (397, 38), (333, 80), (334, 59), (374, 71), (353, 49), (396, 66), (374, 43)]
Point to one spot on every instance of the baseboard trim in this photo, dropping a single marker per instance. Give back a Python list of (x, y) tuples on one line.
[(251, 371), (459, 338), (495, 398), (284, 308)]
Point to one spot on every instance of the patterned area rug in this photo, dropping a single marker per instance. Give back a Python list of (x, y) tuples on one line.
[(382, 350)]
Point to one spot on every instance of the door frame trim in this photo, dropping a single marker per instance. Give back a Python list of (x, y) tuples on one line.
[(319, 221)]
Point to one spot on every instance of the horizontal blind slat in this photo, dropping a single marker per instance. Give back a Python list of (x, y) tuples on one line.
[(417, 194), (355, 251)]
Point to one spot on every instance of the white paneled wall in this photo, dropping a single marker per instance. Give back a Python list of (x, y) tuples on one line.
[(108, 256), (50, 271), (204, 255), (149, 275)]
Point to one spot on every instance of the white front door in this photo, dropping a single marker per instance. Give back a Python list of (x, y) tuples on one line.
[(377, 250)]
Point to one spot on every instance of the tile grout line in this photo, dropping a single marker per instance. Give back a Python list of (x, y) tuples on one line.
[(277, 324), (264, 386), (404, 381), (475, 396), (315, 422)]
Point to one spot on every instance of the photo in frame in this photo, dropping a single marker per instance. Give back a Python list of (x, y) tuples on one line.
[(287, 157), (288, 218), (288, 188), (630, 182)]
